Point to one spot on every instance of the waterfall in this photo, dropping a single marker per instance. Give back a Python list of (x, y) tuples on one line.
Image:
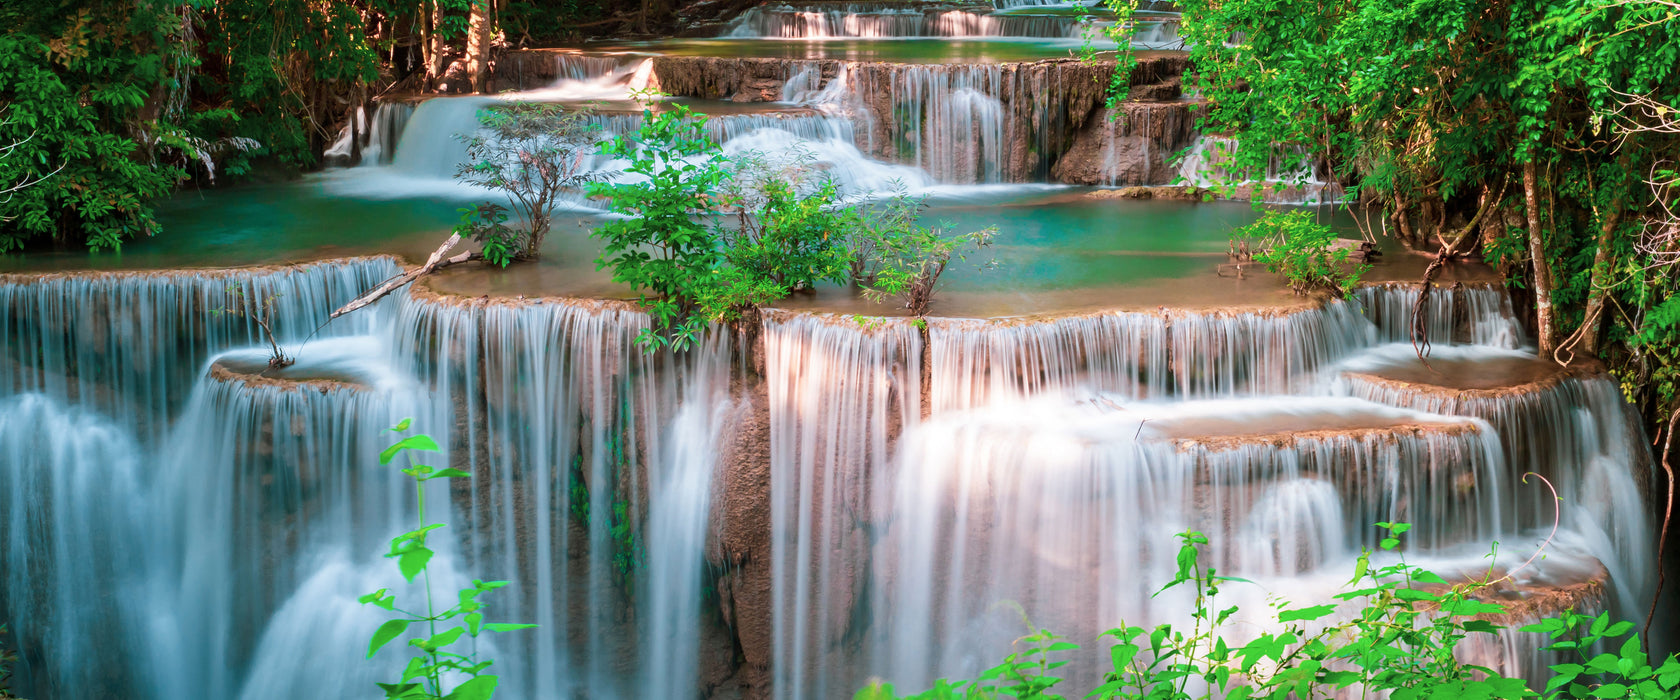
[(1286, 180), (1062, 511), (379, 135), (131, 345), (679, 508), (72, 520), (1475, 314), (837, 390), (888, 21)]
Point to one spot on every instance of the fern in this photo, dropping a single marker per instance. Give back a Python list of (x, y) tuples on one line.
[(1661, 319)]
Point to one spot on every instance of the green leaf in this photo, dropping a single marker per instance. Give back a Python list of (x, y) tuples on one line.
[(401, 425), (1312, 613), (478, 688), (448, 473), (505, 626), (386, 632), (412, 442), (413, 561)]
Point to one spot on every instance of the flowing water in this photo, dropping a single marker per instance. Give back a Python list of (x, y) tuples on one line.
[(821, 496)]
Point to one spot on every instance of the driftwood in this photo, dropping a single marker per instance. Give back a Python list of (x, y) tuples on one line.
[(433, 263)]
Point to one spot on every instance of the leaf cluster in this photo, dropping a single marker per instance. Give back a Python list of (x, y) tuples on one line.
[(1308, 254)]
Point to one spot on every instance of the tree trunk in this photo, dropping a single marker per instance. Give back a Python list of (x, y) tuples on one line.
[(434, 63), (1542, 267), (1603, 261), (425, 18), (479, 34)]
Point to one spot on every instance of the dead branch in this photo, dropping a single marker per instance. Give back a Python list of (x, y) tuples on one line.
[(433, 263)]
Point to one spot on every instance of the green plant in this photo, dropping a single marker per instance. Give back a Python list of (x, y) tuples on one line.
[(660, 248), (533, 154), (439, 655), (789, 228), (893, 254), (7, 658), (1393, 631), (487, 224), (1305, 252)]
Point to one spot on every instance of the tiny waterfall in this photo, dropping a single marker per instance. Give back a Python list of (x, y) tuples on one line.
[(1474, 314), (378, 135), (886, 21), (1285, 181)]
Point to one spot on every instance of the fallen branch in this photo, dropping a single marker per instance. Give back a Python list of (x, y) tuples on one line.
[(1449, 252), (433, 263)]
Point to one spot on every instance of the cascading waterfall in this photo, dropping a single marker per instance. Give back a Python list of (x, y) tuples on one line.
[(130, 346), (1066, 509), (1478, 314), (378, 135), (836, 394), (886, 21)]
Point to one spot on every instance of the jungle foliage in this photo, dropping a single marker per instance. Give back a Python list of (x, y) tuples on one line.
[(1539, 136), (107, 105)]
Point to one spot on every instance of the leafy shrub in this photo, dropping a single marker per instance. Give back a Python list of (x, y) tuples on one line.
[(1304, 251), (895, 255), (487, 224), (67, 172), (7, 658), (660, 248), (1399, 641), (447, 646), (790, 228), (534, 154)]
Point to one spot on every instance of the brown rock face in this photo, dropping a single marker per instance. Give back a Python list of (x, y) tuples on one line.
[(1133, 147), (741, 548)]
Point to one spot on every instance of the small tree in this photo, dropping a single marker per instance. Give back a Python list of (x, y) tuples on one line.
[(533, 154), (788, 232), (262, 311), (661, 248), (1304, 251), (895, 255)]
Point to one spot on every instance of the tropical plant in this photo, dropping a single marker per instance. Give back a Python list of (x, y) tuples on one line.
[(895, 255), (1392, 631), (534, 154), (445, 664), (7, 658), (660, 247), (1308, 254)]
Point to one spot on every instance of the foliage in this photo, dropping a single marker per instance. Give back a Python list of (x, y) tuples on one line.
[(448, 646), (7, 658), (487, 224), (660, 248), (895, 255), (790, 228), (1392, 631), (68, 172), (1304, 251), (533, 154)]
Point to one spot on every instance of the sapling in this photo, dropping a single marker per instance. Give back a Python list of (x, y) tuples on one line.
[(446, 644)]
